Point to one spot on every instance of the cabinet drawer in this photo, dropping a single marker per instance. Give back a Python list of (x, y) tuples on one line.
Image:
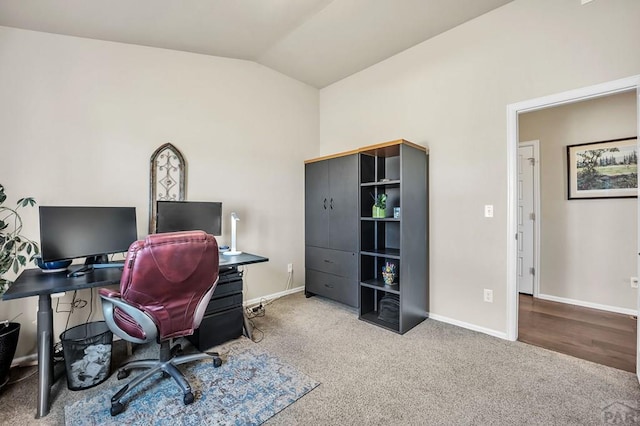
[(336, 262), (341, 289), (225, 288), (222, 303)]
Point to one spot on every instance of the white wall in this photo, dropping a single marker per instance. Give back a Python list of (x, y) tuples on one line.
[(588, 248), (450, 93), (80, 119)]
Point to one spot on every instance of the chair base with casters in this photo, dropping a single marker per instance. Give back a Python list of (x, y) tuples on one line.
[(169, 359)]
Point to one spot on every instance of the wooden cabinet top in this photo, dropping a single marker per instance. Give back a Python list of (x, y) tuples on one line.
[(384, 149)]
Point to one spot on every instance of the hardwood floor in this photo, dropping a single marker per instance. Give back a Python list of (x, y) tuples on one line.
[(604, 337)]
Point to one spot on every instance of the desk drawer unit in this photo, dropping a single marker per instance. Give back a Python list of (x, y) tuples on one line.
[(218, 328), (223, 318), (335, 287)]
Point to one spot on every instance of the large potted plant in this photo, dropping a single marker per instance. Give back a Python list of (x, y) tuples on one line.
[(15, 251)]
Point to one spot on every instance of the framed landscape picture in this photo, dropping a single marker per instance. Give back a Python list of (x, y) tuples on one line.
[(607, 169)]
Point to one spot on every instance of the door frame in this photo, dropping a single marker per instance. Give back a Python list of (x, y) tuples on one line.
[(513, 110), (536, 211)]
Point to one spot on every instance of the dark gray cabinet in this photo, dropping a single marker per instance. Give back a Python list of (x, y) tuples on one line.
[(331, 228), (331, 203), (398, 169)]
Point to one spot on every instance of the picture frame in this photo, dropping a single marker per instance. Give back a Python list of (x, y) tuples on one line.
[(605, 169)]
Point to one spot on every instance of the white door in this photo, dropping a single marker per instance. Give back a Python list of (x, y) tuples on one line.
[(526, 217)]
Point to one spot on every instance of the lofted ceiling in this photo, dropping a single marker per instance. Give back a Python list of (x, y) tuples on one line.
[(317, 42)]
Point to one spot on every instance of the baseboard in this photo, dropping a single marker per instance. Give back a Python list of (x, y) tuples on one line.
[(25, 361), (489, 331), (273, 296), (592, 305)]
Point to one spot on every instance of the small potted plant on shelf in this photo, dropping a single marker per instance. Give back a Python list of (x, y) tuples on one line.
[(379, 206), (15, 249)]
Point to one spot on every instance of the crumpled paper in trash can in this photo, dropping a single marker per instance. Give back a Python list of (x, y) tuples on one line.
[(92, 368)]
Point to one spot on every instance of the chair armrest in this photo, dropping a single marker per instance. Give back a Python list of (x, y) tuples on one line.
[(107, 292), (146, 323)]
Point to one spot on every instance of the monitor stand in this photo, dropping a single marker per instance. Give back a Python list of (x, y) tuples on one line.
[(95, 262)]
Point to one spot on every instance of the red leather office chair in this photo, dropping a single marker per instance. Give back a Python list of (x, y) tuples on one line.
[(166, 285)]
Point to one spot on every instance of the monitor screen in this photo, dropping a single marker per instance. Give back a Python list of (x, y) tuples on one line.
[(174, 216), (75, 232)]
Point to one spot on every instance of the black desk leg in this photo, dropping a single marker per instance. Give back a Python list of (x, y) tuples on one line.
[(248, 328), (45, 360)]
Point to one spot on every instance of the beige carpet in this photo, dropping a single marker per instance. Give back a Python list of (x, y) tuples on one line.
[(434, 374)]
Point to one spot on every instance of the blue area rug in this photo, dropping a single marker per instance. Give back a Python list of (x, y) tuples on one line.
[(248, 389)]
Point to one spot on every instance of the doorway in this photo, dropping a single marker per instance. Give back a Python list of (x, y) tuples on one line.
[(528, 216), (513, 112)]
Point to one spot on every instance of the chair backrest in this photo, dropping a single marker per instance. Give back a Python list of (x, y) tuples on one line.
[(171, 277)]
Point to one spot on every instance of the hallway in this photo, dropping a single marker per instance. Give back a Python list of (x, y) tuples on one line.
[(603, 337)]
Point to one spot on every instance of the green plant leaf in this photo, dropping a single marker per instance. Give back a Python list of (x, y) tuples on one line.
[(16, 266), (22, 246), (29, 249), (28, 201), (3, 225), (22, 260)]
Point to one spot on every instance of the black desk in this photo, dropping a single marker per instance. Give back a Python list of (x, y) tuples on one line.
[(33, 282)]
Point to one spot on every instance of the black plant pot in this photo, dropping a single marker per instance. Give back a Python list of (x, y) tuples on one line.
[(8, 344)]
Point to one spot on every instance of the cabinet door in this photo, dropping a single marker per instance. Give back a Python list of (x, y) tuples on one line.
[(343, 203), (316, 203)]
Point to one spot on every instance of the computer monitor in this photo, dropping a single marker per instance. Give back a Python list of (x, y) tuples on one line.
[(89, 232), (172, 216)]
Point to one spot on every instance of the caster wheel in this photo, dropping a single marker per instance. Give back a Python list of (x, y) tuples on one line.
[(188, 398), (122, 374), (116, 408), (177, 350), (217, 362)]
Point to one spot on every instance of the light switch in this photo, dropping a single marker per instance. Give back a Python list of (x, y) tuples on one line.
[(488, 210)]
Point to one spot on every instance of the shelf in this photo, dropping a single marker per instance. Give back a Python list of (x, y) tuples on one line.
[(384, 252), (380, 219), (399, 171), (380, 285), (381, 183), (372, 317)]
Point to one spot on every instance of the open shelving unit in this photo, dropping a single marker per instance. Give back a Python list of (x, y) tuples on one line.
[(399, 170)]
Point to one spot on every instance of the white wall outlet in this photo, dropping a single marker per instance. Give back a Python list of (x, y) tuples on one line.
[(488, 210), (290, 267), (634, 282), (488, 295)]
